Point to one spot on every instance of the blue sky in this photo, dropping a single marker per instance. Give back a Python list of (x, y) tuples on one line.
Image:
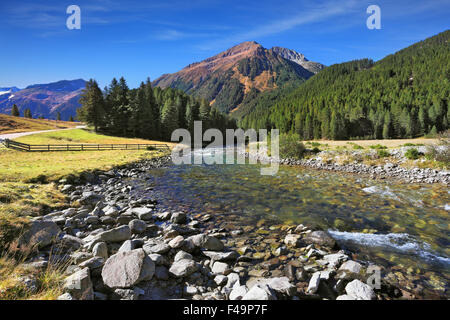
[(140, 39)]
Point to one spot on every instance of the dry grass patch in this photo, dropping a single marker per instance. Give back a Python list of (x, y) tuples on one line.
[(10, 124)]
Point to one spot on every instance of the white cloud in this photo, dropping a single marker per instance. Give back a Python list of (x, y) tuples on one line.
[(312, 14)]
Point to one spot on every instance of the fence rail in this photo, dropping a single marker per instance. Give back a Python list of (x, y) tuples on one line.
[(79, 147)]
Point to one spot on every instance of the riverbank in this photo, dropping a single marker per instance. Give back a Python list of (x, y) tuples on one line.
[(370, 163), (111, 223)]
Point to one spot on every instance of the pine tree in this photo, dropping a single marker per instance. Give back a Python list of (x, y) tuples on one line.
[(204, 113), (27, 113), (92, 105), (58, 116), (71, 119), (15, 111), (387, 127), (169, 119)]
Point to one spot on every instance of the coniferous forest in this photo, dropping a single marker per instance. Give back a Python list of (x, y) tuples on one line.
[(404, 95), (146, 112)]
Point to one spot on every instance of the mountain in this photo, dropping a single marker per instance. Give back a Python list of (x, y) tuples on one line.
[(406, 94), (8, 91), (231, 78), (44, 99)]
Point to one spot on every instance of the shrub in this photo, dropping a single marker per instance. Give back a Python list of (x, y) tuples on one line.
[(291, 146), (150, 148), (412, 154), (378, 147), (383, 153), (441, 151)]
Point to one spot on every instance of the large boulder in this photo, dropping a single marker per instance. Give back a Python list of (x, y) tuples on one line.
[(128, 268), (79, 285), (360, 291), (321, 238), (39, 235)]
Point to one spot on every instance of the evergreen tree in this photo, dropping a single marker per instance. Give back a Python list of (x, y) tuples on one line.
[(58, 116), (15, 111), (92, 105), (169, 119), (27, 114)]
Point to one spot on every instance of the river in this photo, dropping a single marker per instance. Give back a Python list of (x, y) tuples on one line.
[(396, 225)]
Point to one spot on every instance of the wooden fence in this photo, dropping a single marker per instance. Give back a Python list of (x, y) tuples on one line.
[(80, 147)]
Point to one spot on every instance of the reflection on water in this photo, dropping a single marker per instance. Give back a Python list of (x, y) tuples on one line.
[(392, 224)]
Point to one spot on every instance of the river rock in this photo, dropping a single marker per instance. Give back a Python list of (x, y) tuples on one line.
[(314, 282), (182, 255), (220, 279), (142, 213), (360, 291), (118, 234), (90, 198), (176, 242), (159, 248), (292, 240), (351, 266), (335, 259), (283, 286), (238, 292), (259, 292), (221, 256), (126, 269), (220, 268), (79, 285), (100, 250), (321, 238), (137, 226), (183, 268), (179, 217), (207, 242), (39, 235)]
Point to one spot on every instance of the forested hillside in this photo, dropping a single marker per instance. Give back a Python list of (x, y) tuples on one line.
[(146, 112), (403, 95)]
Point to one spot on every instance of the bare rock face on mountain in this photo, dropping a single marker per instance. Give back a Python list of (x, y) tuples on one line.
[(238, 74), (298, 58)]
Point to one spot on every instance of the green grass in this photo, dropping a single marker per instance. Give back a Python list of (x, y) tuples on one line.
[(18, 166)]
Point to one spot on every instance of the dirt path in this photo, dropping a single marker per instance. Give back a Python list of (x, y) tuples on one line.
[(21, 134)]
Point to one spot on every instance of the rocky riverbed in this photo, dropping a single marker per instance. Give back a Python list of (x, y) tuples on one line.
[(115, 243), (339, 161)]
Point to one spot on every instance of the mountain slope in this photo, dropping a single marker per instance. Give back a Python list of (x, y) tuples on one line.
[(45, 99), (403, 95), (231, 77)]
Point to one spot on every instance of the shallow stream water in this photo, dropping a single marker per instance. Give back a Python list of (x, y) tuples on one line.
[(392, 224)]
